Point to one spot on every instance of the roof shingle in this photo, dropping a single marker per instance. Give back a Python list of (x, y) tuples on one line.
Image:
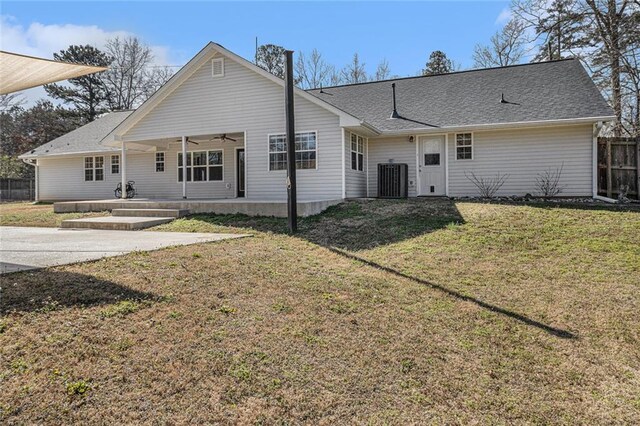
[(83, 139), (534, 92)]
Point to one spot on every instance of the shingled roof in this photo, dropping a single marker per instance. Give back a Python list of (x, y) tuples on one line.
[(533, 92), (83, 139)]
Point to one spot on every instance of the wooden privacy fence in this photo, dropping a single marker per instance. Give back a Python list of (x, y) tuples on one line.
[(17, 189), (619, 166)]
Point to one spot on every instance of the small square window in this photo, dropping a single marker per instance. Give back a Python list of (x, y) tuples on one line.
[(159, 162)]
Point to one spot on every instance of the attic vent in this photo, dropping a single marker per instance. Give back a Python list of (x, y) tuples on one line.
[(217, 67)]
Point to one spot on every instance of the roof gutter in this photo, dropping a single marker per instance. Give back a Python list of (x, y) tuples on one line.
[(497, 126)]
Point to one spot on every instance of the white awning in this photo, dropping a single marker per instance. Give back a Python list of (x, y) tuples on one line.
[(19, 72)]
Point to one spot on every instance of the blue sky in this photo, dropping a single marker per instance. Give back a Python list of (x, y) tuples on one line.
[(404, 33)]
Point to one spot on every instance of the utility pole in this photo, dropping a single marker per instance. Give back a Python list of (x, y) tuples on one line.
[(292, 206)]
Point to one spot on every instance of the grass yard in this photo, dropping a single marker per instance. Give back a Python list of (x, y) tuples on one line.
[(29, 214), (378, 312)]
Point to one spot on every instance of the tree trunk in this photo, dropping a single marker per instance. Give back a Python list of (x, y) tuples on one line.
[(614, 57)]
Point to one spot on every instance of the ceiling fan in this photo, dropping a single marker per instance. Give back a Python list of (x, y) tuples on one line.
[(189, 141), (223, 137)]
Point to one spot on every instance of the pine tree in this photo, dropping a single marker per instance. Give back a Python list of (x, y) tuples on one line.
[(87, 94), (438, 63)]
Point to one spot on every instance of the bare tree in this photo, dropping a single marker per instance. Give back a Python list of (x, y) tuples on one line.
[(506, 47), (335, 79), (489, 186), (613, 24), (131, 77), (548, 182), (382, 71), (603, 33), (354, 72), (313, 71)]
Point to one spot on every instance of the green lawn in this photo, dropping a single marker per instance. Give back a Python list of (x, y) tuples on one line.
[(419, 311), (39, 215)]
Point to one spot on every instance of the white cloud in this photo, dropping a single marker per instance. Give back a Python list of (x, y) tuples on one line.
[(44, 40), (504, 16)]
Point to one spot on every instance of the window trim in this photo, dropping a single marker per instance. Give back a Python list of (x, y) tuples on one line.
[(116, 164), (455, 146), (93, 168), (190, 153), (351, 151), (284, 133), (164, 161)]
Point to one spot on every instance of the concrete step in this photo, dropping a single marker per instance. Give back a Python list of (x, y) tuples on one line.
[(120, 223), (150, 212)]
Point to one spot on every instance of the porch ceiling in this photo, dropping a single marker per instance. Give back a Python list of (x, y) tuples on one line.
[(163, 143)]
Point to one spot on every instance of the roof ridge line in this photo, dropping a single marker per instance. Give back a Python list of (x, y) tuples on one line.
[(440, 75)]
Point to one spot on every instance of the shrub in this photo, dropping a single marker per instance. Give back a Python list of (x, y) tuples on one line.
[(548, 182), (487, 187)]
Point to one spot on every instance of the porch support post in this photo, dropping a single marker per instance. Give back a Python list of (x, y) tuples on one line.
[(123, 170), (184, 167)]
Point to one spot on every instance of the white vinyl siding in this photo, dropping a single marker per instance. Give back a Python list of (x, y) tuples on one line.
[(395, 149), (356, 180), (523, 154), (244, 101), (59, 177)]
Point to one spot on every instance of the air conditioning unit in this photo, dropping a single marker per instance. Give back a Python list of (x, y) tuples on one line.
[(393, 180)]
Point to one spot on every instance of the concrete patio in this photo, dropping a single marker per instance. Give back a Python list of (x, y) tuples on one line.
[(248, 207), (32, 248)]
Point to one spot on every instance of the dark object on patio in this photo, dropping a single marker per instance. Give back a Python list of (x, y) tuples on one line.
[(392, 180), (131, 191)]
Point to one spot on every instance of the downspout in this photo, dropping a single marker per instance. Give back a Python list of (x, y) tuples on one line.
[(594, 159), (344, 170), (34, 163)]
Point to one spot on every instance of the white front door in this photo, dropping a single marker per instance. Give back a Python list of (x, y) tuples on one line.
[(431, 171)]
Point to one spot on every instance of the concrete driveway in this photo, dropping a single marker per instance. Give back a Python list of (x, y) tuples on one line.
[(24, 248)]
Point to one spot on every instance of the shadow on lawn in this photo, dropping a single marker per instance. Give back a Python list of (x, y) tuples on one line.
[(47, 290), (356, 224), (519, 317)]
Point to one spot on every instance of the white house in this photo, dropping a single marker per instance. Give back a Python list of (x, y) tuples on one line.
[(227, 116)]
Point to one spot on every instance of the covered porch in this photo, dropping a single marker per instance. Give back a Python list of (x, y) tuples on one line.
[(214, 167)]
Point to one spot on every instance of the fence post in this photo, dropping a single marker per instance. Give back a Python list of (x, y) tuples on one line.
[(30, 189), (609, 177), (638, 168), (9, 189)]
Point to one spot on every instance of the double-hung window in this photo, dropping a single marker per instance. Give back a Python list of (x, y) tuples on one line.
[(464, 146), (201, 166), (357, 152), (93, 168), (306, 151), (159, 161), (115, 164)]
